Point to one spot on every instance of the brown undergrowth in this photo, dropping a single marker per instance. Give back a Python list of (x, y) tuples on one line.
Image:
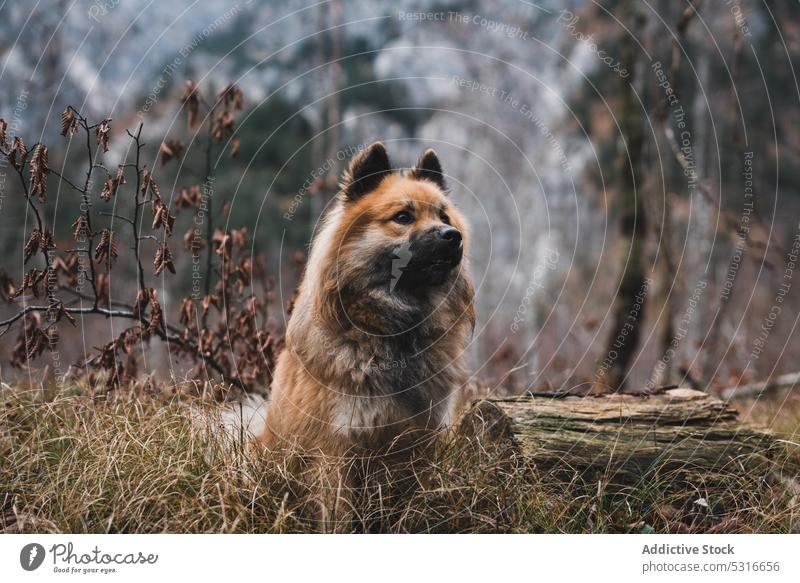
[(165, 462)]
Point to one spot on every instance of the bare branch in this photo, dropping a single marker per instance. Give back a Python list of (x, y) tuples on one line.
[(787, 381)]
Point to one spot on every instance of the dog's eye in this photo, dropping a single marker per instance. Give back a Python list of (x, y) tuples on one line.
[(444, 218), (403, 218)]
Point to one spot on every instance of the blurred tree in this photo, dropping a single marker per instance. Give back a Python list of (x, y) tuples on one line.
[(628, 308)]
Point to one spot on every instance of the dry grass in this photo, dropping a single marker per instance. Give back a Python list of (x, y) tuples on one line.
[(142, 463)]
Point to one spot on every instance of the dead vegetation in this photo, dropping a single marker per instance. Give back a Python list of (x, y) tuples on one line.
[(159, 461), (221, 330)]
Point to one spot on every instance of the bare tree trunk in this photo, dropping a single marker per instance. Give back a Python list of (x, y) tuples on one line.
[(663, 373), (711, 362), (328, 140), (701, 233), (628, 308), (334, 107)]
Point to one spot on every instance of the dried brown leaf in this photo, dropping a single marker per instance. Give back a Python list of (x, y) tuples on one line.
[(170, 149), (18, 153), (69, 122), (163, 259), (191, 101), (80, 228), (106, 250), (39, 172), (102, 133)]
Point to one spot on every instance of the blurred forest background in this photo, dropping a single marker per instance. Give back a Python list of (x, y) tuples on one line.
[(690, 234)]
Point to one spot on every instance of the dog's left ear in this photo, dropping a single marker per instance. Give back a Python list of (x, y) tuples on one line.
[(365, 172), (428, 167)]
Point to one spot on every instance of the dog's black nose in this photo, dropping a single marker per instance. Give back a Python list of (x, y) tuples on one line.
[(451, 235)]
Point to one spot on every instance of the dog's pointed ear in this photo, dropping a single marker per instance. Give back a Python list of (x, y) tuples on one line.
[(428, 167), (365, 172)]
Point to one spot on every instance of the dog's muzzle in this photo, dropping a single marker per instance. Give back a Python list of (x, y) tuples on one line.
[(433, 256)]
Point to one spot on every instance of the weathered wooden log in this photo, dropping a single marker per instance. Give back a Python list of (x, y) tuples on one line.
[(624, 438)]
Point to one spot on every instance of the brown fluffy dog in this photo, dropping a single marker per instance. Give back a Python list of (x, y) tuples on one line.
[(375, 345)]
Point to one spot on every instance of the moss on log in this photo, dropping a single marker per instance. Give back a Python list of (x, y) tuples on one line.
[(623, 437)]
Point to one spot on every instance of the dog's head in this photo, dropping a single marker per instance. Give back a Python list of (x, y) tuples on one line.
[(400, 240)]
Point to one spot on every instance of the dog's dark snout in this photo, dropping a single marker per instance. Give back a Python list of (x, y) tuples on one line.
[(451, 235)]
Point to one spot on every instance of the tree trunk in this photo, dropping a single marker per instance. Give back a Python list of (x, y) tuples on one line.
[(628, 308), (625, 438)]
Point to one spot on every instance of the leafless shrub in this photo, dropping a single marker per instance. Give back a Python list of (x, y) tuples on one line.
[(218, 332)]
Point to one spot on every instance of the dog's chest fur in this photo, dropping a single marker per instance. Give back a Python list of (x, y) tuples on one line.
[(382, 385)]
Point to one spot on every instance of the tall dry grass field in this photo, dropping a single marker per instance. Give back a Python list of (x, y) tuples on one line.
[(165, 462)]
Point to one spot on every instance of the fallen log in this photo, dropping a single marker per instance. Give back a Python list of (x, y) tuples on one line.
[(624, 438)]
